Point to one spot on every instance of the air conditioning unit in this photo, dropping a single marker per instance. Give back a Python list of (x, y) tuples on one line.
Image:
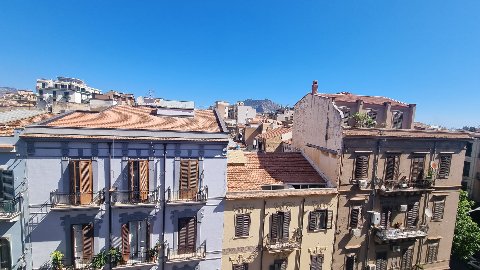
[(371, 267), (362, 184), (375, 218), (356, 232), (396, 248), (403, 208)]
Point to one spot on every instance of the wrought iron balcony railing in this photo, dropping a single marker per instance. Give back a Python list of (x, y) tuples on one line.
[(187, 195), (9, 208), (78, 199), (396, 235), (405, 186), (282, 244), (134, 197), (186, 253), (149, 256)]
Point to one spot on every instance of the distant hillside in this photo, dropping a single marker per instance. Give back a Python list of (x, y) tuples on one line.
[(4, 90), (262, 106)]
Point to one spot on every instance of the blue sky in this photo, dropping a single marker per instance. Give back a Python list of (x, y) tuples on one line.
[(423, 52)]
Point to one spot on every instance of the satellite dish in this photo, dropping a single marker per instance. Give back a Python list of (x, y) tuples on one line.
[(433, 165), (428, 213)]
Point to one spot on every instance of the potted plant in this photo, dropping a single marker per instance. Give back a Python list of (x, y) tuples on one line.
[(99, 260), (115, 256), (56, 258)]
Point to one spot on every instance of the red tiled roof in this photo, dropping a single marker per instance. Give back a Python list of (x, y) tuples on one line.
[(376, 100), (273, 133), (7, 129), (141, 117), (270, 169)]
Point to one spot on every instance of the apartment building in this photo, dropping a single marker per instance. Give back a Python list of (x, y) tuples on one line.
[(279, 213), (65, 89), (13, 188), (398, 187), (148, 182), (471, 168), (273, 139)]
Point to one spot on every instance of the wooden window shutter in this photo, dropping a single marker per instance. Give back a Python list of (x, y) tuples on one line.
[(354, 213), (407, 257), (432, 252), (192, 234), (87, 233), (143, 164), (187, 235), (391, 167), (417, 168), (240, 266), (444, 167), (312, 220), (286, 225), (86, 181), (329, 218), (72, 173), (412, 215), (242, 225), (188, 178), (385, 218), (274, 227), (316, 262), (125, 242), (361, 167), (381, 261), (438, 209)]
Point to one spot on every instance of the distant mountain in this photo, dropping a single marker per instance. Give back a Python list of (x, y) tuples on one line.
[(262, 106), (4, 90)]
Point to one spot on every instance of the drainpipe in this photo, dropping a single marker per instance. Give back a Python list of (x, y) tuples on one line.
[(262, 232), (162, 197), (107, 199)]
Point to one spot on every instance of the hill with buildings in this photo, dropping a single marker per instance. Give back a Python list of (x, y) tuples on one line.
[(262, 105)]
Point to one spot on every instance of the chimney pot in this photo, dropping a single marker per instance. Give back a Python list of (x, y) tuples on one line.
[(314, 87)]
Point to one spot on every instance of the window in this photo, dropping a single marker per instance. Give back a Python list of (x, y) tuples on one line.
[(397, 119), (242, 225), (54, 94), (316, 262), (391, 167), (350, 262), (187, 235), (346, 115), (138, 180), (432, 252), (63, 86), (5, 256), (468, 152), (188, 179), (412, 215), (320, 220), (44, 85), (361, 167), (40, 92), (279, 226), (82, 236), (135, 240), (407, 257), (418, 165), (444, 166), (6, 185), (381, 261), (354, 216), (466, 169), (385, 217), (243, 266), (372, 114), (81, 181), (279, 265), (438, 208)]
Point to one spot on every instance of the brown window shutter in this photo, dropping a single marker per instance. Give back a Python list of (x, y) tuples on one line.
[(313, 221), (361, 167), (246, 225), (192, 234), (417, 168), (407, 257), (125, 242), (143, 180), (316, 262), (182, 235), (188, 178), (87, 232), (381, 261), (274, 227), (286, 225), (432, 252), (242, 223), (86, 181), (444, 167), (329, 219), (412, 215), (354, 213), (385, 218), (438, 209), (391, 168)]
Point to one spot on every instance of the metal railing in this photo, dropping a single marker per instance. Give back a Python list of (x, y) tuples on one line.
[(59, 199), (149, 256), (282, 244), (186, 254), (390, 234), (134, 197), (187, 195), (404, 184), (9, 208)]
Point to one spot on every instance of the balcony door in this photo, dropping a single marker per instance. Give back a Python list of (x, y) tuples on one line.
[(138, 180), (187, 235), (82, 235), (188, 179), (135, 240), (81, 182)]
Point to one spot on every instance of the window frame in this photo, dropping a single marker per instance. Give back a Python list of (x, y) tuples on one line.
[(317, 226), (441, 163), (432, 247), (415, 159), (438, 200), (364, 174), (396, 166), (236, 223)]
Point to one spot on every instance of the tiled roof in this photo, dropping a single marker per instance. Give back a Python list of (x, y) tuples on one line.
[(262, 169), (140, 118), (404, 133), (7, 128), (272, 133), (14, 115), (377, 100)]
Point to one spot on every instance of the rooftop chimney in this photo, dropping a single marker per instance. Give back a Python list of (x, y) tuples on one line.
[(314, 87)]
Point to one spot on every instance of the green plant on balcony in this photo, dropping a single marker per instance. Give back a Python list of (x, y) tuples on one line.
[(363, 120), (115, 256), (99, 260), (56, 258)]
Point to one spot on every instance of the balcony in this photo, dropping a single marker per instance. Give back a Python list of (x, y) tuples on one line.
[(392, 235), (187, 196), (9, 209), (128, 198), (185, 254), (79, 200), (405, 187), (282, 245), (138, 259)]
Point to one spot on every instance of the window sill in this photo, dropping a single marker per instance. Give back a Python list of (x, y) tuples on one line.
[(241, 237)]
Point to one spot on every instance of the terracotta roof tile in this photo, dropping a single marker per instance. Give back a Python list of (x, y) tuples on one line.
[(141, 117), (272, 133), (7, 129), (270, 169), (377, 100)]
